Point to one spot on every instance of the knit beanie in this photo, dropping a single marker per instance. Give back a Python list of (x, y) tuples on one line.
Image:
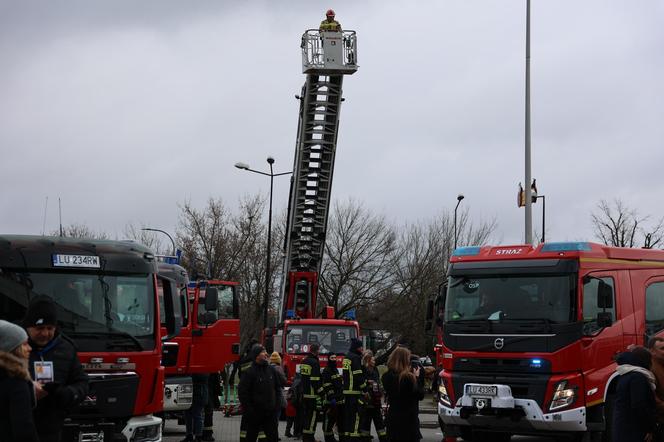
[(275, 358), (255, 351), (11, 336), (355, 344), (41, 311)]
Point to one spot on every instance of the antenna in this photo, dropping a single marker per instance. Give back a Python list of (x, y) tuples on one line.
[(60, 211), (44, 223)]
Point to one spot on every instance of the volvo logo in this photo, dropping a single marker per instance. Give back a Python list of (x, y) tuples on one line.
[(499, 343)]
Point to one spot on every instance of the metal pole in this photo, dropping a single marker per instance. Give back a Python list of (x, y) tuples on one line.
[(266, 300), (165, 233), (529, 212), (459, 198), (543, 216)]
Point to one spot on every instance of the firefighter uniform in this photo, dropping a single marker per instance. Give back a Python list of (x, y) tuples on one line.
[(333, 398), (311, 400), (354, 390), (333, 25)]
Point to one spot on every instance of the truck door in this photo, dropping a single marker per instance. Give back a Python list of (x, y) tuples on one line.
[(216, 332), (603, 312), (648, 288)]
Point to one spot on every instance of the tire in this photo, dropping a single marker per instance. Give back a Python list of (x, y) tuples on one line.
[(482, 436)]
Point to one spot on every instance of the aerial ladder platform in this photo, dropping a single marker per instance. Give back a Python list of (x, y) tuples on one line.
[(327, 56)]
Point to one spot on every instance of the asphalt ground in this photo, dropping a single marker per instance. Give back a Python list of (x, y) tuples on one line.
[(227, 429)]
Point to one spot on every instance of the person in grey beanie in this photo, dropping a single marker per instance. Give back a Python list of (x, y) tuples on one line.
[(17, 397)]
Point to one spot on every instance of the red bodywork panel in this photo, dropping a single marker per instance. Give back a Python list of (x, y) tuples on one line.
[(587, 363), (205, 348)]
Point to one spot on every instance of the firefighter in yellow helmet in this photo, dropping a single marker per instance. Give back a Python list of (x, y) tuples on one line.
[(330, 24)]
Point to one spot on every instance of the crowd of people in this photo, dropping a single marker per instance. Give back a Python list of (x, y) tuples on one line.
[(41, 377), (345, 404)]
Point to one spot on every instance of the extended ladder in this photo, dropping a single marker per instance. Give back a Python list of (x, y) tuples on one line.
[(326, 57)]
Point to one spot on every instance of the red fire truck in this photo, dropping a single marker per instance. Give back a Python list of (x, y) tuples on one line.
[(209, 338), (529, 336), (107, 303), (326, 58)]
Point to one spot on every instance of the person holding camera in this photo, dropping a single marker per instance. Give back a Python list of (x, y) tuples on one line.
[(372, 411), (403, 391)]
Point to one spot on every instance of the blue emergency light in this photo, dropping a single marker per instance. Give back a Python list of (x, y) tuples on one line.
[(350, 315), (566, 247), (536, 363), (466, 251), (290, 314)]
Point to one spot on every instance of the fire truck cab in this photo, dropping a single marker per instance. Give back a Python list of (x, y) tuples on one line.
[(529, 336), (108, 305)]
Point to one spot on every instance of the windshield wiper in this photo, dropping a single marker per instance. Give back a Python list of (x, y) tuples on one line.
[(485, 323), (115, 338)]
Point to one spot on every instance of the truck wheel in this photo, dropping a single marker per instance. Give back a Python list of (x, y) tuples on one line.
[(467, 434), (481, 436)]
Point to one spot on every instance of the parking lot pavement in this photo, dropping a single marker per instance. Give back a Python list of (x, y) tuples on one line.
[(227, 429)]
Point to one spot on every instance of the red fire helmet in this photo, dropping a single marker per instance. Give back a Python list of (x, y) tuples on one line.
[(330, 13)]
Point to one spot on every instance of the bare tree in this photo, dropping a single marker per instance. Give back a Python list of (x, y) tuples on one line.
[(359, 258), (423, 256), (76, 230), (219, 244), (620, 226)]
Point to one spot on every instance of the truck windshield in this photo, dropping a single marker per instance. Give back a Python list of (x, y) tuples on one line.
[(101, 313), (549, 298), (332, 339)]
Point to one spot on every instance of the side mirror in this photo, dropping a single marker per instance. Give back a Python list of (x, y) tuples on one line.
[(604, 319), (209, 318), (211, 299), (171, 299), (429, 310), (604, 295)]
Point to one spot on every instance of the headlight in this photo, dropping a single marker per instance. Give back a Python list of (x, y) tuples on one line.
[(147, 433), (563, 396), (443, 397), (187, 389)]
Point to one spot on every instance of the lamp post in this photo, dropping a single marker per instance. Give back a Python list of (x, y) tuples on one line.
[(165, 233), (543, 213), (244, 166), (459, 198)]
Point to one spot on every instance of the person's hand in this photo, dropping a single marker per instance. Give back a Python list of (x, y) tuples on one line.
[(40, 393), (416, 371)]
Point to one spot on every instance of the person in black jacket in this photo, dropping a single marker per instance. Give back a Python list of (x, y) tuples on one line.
[(372, 411), (355, 392), (634, 415), (333, 396), (403, 393), (311, 387), (17, 397), (258, 392), (54, 364)]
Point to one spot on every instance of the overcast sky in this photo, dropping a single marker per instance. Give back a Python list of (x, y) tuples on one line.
[(123, 109)]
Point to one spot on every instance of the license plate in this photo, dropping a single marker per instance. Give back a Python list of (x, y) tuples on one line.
[(488, 390), (86, 261)]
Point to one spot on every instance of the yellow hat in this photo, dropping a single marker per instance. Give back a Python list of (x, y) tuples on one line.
[(275, 358)]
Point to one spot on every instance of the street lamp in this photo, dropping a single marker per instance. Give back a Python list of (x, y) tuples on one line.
[(459, 198), (165, 233), (245, 166)]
